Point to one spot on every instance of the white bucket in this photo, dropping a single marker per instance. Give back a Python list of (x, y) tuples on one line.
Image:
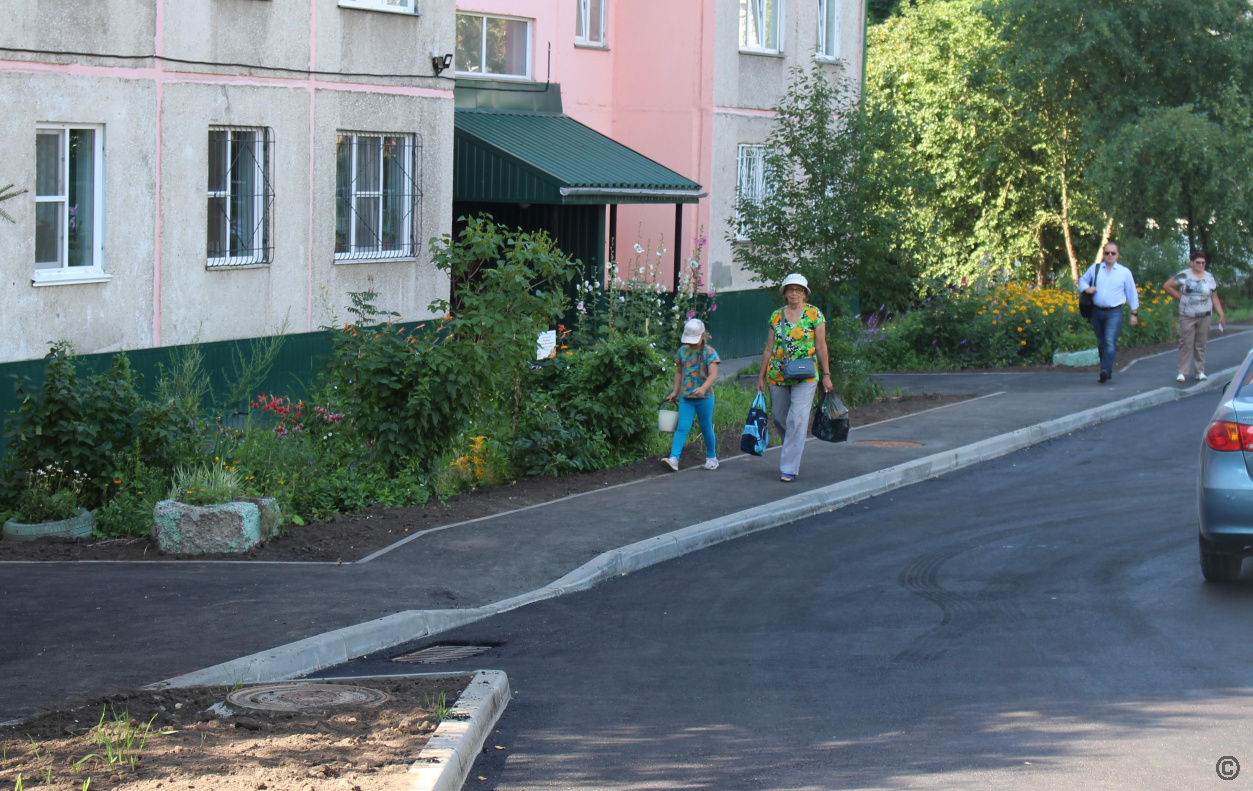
[(667, 420)]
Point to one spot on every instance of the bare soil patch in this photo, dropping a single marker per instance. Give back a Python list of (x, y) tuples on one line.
[(186, 747), (349, 537)]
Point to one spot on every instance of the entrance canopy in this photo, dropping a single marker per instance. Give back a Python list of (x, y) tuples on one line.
[(548, 158)]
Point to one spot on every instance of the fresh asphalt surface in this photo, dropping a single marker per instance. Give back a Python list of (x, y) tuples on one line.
[(1034, 622)]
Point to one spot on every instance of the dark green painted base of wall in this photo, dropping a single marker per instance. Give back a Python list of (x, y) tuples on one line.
[(738, 327)]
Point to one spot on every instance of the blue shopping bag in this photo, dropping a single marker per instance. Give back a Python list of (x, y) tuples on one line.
[(756, 436)]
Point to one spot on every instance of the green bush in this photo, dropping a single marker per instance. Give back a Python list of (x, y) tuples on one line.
[(85, 423), (132, 494), (51, 493), (589, 408)]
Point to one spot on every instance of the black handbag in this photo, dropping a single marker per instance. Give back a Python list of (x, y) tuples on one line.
[(831, 424), (1085, 299), (803, 368)]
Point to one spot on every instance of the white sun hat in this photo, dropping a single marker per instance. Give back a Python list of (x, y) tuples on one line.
[(693, 330), (797, 279)]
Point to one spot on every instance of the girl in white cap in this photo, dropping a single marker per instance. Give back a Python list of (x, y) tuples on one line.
[(695, 371), (798, 331)]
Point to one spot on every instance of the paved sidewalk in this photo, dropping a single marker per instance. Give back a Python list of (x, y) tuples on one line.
[(81, 627)]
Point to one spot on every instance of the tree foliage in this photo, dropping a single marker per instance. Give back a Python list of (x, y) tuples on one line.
[(1038, 129), (829, 211)]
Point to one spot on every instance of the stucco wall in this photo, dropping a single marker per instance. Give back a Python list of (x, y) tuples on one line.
[(161, 294), (95, 316), (115, 27)]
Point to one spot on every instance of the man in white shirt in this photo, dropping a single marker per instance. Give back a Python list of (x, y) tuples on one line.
[(1111, 285)]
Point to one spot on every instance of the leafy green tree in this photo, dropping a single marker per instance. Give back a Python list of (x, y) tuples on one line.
[(980, 197), (828, 211)]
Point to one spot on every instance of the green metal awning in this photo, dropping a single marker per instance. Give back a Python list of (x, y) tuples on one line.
[(529, 157)]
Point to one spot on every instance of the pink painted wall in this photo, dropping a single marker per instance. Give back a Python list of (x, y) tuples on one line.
[(650, 89)]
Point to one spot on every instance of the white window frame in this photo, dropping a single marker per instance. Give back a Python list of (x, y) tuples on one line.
[(390, 6), (828, 46), (750, 177), (262, 201), (490, 75), (585, 24), (756, 9), (412, 196), (66, 274)]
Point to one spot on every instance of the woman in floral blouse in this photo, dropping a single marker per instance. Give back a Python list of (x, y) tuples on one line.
[(797, 331)]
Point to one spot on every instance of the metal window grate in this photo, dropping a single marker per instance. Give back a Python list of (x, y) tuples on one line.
[(751, 180), (436, 654), (378, 196), (240, 197)]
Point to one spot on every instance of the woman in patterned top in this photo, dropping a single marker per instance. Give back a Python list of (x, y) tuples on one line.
[(797, 331), (695, 371), (1197, 292)]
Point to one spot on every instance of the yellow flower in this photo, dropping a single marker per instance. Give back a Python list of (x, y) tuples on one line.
[(1020, 330)]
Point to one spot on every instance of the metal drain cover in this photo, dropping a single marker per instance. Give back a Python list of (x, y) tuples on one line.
[(299, 697), (435, 654), (887, 443)]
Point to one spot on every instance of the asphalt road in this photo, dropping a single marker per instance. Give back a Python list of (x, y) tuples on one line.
[(1034, 622)]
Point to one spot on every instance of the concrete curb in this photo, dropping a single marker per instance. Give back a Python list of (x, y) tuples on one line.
[(338, 646), (445, 762)]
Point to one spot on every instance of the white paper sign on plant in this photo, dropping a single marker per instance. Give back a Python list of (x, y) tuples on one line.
[(547, 347)]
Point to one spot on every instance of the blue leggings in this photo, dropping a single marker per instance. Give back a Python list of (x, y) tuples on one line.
[(703, 410)]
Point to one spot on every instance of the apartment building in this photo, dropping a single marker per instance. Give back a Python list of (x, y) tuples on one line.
[(688, 85), (206, 170)]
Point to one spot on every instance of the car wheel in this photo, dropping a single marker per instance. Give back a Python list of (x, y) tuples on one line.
[(1219, 566)]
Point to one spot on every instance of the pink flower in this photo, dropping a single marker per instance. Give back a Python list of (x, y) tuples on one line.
[(713, 307), (691, 314)]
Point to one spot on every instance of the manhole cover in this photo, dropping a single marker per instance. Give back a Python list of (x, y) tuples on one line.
[(887, 443), (298, 697), (442, 653)]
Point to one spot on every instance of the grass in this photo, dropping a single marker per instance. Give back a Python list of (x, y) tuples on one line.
[(439, 708), (119, 740)]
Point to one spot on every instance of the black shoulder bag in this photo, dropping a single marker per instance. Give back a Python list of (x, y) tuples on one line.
[(1085, 299)]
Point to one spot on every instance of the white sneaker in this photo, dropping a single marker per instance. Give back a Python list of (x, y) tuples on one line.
[(1201, 377), (671, 462), (1181, 378), (711, 464)]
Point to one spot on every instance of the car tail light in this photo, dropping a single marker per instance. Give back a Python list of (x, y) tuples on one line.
[(1225, 435)]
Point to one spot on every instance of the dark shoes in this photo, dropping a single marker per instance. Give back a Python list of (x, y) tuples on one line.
[(1105, 377)]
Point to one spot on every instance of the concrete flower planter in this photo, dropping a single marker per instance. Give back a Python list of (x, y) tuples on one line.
[(1078, 359), (238, 526), (75, 527)]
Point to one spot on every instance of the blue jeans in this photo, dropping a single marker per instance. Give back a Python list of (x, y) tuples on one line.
[(703, 410), (1106, 322)]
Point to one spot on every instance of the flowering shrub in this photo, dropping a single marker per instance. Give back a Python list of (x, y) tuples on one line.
[(999, 325), (52, 492), (640, 304)]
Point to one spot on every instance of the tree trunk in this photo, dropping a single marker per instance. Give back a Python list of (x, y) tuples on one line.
[(1041, 263), (1070, 244), (1105, 235)]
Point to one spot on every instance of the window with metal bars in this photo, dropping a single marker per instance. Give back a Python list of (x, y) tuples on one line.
[(751, 184), (378, 196), (241, 197)]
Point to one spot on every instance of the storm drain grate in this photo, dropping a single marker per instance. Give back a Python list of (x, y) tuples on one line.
[(436, 654), (887, 443)]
